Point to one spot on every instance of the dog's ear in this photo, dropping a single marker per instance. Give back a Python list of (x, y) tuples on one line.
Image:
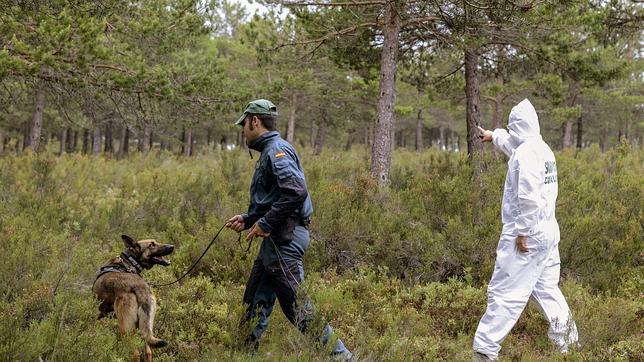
[(129, 242)]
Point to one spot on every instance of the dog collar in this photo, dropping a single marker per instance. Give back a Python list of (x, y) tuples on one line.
[(130, 263)]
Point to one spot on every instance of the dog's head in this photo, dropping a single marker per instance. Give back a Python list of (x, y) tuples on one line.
[(148, 252)]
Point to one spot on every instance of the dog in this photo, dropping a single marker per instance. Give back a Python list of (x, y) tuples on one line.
[(120, 288)]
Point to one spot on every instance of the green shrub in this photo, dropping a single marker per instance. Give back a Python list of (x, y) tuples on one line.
[(399, 273)]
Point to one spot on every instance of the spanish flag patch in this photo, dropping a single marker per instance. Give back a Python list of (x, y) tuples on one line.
[(280, 154)]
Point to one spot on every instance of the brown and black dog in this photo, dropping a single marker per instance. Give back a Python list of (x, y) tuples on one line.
[(120, 288)]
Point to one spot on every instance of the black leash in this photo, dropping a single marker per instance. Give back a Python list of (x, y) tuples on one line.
[(198, 260)]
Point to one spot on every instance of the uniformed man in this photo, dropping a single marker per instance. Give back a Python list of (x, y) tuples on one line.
[(279, 211)]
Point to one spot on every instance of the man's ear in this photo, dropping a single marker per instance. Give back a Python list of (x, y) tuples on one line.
[(129, 242)]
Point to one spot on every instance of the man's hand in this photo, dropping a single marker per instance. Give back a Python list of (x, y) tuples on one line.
[(256, 231), (522, 243), (485, 135), (236, 223)]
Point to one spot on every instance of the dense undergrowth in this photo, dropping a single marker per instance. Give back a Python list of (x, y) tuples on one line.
[(400, 274)]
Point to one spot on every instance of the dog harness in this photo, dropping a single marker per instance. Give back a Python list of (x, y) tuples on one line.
[(125, 263)]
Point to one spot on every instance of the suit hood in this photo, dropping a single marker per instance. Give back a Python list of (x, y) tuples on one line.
[(523, 122)]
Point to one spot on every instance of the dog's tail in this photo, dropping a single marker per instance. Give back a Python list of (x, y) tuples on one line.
[(146, 312)]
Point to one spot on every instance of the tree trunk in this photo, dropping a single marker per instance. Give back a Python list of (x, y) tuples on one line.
[(75, 141), (419, 131), (321, 136), (290, 129), (63, 140), (36, 127), (441, 138), (69, 145), (350, 140), (109, 142), (208, 137), (312, 133), (187, 149), (147, 139), (183, 140), (2, 138), (473, 112), (86, 141), (381, 150), (96, 144), (124, 144), (580, 132), (567, 134), (26, 136)]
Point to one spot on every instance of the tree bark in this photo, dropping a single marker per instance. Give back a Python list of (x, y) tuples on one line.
[(2, 138), (26, 136), (96, 144), (290, 129), (183, 140), (147, 139), (187, 150), (74, 144), (419, 131), (473, 112), (321, 136), (124, 144), (381, 150), (64, 135), (36, 127), (86, 141), (580, 132), (109, 140), (567, 134), (69, 145), (441, 138)]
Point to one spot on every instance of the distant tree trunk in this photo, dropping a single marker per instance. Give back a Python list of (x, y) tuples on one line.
[(419, 131), (109, 143), (240, 140), (290, 129), (74, 144), (208, 137), (64, 134), (187, 150), (2, 139), (96, 144), (193, 143), (46, 139), (147, 139), (497, 111), (567, 134), (86, 141), (69, 145), (350, 139), (321, 137), (441, 138), (381, 150), (36, 127), (124, 144), (312, 133), (26, 136), (473, 112), (566, 140), (183, 140), (580, 132)]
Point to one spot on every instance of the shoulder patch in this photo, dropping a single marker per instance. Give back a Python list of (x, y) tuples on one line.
[(280, 154)]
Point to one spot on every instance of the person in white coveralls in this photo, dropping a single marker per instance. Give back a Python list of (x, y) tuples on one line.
[(527, 257)]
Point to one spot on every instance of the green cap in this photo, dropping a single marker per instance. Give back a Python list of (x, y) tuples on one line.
[(258, 106)]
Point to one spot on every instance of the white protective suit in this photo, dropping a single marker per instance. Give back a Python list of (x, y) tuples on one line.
[(528, 209)]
